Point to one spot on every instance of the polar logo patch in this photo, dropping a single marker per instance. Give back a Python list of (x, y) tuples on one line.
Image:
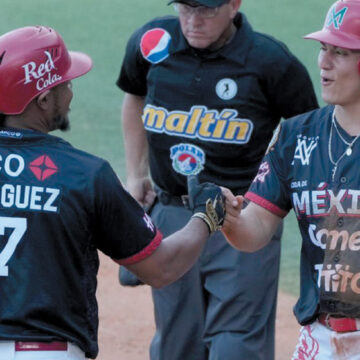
[(154, 45), (187, 159)]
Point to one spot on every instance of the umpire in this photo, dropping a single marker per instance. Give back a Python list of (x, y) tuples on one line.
[(59, 205), (204, 93)]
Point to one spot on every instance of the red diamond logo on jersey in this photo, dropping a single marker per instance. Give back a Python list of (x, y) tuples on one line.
[(43, 167), (154, 45)]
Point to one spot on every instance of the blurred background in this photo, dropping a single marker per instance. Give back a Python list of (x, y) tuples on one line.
[(102, 28)]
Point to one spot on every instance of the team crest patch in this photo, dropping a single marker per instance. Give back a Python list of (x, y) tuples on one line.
[(226, 89), (187, 159), (154, 45)]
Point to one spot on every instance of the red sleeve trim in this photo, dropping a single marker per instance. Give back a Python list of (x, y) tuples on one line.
[(266, 204), (144, 253)]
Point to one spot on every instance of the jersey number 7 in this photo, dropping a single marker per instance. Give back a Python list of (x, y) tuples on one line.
[(19, 225)]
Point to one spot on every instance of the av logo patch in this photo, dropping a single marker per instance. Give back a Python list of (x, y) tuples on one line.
[(187, 159), (226, 89), (304, 148), (43, 167), (336, 18), (154, 45)]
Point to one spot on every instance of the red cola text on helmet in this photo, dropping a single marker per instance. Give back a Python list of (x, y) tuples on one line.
[(34, 72)]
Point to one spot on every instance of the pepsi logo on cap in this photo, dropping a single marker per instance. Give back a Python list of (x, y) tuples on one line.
[(155, 44)]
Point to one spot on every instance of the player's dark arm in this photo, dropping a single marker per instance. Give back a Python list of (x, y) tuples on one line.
[(249, 229), (176, 255), (179, 251)]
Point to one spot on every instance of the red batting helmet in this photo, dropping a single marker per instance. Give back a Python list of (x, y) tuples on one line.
[(342, 25), (34, 59)]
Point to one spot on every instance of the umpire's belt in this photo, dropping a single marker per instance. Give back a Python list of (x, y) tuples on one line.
[(168, 199), (339, 324)]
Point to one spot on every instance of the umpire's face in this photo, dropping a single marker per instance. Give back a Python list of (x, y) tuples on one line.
[(207, 29)]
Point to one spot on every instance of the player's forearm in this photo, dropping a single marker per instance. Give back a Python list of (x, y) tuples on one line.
[(175, 256), (135, 143), (243, 235), (251, 229)]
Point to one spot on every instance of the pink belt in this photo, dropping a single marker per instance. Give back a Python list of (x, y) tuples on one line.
[(40, 346), (339, 324)]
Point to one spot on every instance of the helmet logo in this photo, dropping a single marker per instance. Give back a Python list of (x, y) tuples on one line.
[(38, 73), (336, 18)]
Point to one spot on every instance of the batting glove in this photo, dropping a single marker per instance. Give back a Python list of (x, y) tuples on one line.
[(206, 202)]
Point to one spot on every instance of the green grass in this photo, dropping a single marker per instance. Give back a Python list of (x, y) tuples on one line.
[(101, 29)]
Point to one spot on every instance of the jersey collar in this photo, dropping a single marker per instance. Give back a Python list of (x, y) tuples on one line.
[(243, 39)]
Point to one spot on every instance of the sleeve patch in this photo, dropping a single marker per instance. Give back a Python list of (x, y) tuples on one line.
[(263, 171), (274, 139)]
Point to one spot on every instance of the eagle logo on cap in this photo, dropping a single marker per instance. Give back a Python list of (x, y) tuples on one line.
[(154, 45)]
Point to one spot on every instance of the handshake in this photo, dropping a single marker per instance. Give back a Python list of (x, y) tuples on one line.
[(206, 202)]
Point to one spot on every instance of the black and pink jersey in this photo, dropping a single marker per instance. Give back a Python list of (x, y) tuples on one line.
[(308, 169), (58, 206)]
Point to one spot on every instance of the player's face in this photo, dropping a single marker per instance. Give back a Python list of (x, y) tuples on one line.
[(207, 32), (340, 77), (63, 99)]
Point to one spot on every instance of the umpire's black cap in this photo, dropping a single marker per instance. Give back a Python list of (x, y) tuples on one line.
[(207, 3)]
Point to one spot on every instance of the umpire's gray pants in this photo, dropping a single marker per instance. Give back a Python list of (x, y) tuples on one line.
[(224, 307)]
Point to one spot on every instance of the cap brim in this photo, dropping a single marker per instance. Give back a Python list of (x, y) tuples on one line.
[(339, 39), (80, 65), (207, 3)]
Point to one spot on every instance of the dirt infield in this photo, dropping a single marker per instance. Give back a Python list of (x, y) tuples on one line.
[(126, 319)]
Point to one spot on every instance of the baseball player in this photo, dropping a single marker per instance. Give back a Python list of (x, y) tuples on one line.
[(204, 93), (59, 205), (311, 167)]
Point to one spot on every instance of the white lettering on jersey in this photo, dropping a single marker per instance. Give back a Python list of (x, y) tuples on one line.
[(337, 278), (334, 239), (29, 197), (14, 165), (304, 148), (299, 184), (321, 201), (149, 222), (19, 225), (54, 193)]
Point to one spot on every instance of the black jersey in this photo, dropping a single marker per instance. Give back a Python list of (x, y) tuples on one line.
[(58, 205), (211, 113), (310, 170)]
